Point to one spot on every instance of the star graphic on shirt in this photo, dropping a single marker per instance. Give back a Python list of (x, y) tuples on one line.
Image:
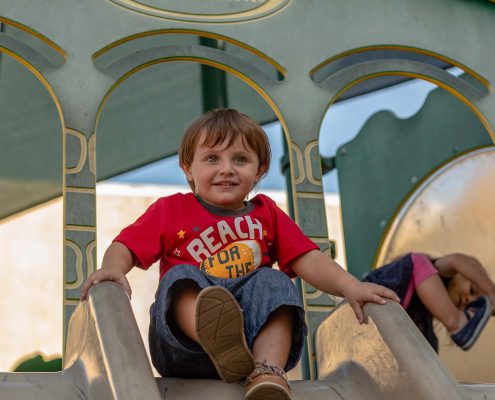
[(177, 252), (181, 234), (265, 233)]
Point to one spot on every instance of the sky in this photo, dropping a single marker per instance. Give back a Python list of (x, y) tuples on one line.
[(341, 124)]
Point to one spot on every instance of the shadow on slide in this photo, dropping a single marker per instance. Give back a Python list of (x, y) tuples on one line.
[(106, 359)]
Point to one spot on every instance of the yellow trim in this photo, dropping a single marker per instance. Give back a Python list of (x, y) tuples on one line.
[(485, 82), (83, 154), (300, 163), (80, 228), (25, 28), (79, 261), (92, 153), (75, 189), (210, 35), (261, 11), (309, 167), (309, 195), (89, 257)]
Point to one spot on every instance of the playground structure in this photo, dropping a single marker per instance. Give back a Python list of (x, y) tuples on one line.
[(96, 60)]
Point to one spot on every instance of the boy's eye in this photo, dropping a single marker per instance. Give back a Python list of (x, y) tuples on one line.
[(240, 159), (211, 158)]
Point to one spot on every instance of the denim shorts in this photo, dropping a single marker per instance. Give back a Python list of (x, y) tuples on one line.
[(259, 294)]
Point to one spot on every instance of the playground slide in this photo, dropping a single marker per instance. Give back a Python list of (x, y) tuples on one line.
[(392, 352), (105, 359)]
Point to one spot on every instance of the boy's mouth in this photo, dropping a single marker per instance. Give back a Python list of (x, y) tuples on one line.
[(226, 184)]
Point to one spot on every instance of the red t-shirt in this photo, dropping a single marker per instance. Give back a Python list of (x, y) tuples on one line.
[(183, 229)]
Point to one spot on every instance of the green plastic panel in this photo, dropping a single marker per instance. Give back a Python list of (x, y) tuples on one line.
[(30, 152)]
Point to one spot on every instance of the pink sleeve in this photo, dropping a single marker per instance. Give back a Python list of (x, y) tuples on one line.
[(422, 270)]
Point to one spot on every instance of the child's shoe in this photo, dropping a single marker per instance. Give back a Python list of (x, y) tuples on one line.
[(466, 337), (267, 382), (220, 331)]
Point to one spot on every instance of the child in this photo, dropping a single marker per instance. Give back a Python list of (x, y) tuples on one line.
[(454, 288), (220, 309)]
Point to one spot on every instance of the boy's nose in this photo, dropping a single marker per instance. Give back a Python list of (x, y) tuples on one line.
[(226, 167)]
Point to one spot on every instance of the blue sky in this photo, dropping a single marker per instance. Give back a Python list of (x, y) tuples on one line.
[(342, 122)]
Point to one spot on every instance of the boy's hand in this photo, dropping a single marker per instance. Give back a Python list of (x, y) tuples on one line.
[(105, 274), (358, 293)]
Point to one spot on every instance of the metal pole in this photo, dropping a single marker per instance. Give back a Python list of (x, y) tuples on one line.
[(2, 30), (213, 81)]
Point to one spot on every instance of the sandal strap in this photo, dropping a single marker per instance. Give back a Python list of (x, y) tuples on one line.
[(262, 368)]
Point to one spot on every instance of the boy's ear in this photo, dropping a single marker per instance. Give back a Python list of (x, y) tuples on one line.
[(187, 171), (261, 171)]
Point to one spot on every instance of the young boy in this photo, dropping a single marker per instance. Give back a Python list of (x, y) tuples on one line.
[(454, 288), (221, 310)]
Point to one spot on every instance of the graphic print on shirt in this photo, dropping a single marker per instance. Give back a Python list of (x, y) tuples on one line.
[(235, 260), (229, 248)]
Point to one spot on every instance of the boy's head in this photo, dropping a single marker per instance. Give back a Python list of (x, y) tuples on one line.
[(224, 126)]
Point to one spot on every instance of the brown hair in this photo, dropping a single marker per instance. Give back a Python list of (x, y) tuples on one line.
[(220, 125)]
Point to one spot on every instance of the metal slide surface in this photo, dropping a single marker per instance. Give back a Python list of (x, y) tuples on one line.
[(105, 359), (392, 352)]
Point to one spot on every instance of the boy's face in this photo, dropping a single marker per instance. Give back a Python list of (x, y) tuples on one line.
[(224, 176), (462, 292)]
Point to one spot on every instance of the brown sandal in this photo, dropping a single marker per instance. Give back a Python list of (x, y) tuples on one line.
[(220, 332), (267, 382)]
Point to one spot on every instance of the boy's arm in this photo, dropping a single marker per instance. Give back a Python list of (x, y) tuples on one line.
[(117, 262), (470, 268), (326, 275)]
